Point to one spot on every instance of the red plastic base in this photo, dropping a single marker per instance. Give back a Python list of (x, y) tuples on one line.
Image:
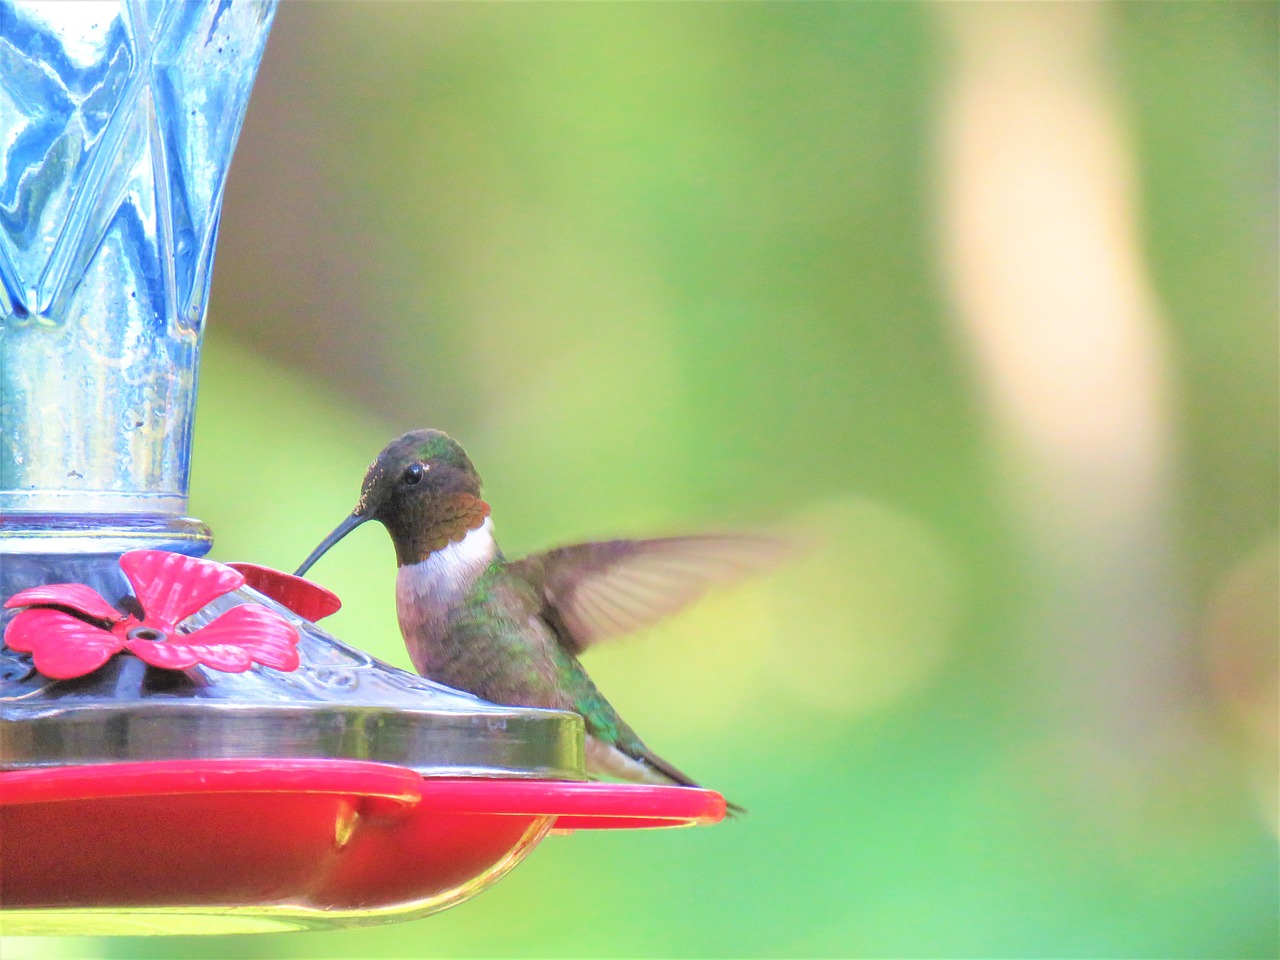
[(337, 836)]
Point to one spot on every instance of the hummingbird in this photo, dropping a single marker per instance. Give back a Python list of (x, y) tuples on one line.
[(511, 631)]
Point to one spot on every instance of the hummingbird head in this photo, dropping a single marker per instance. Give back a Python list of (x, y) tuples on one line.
[(423, 488)]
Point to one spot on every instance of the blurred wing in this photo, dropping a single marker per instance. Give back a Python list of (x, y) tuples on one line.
[(593, 591)]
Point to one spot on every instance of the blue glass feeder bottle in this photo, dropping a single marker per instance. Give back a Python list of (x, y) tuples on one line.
[(117, 125)]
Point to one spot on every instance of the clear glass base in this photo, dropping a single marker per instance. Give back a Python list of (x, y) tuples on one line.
[(101, 533)]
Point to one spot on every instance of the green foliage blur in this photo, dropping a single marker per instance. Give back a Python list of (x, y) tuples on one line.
[(666, 267)]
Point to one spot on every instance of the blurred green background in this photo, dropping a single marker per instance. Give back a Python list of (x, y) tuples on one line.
[(987, 293)]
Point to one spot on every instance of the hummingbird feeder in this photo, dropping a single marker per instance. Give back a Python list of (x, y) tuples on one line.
[(182, 749)]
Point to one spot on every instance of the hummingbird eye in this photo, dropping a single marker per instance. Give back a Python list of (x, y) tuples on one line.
[(412, 474)]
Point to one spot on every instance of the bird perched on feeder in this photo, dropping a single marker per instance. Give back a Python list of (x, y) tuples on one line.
[(510, 631)]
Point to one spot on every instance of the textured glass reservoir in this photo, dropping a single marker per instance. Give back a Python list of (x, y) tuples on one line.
[(117, 125)]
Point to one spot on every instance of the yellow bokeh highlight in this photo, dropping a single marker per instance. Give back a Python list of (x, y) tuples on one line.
[(866, 614)]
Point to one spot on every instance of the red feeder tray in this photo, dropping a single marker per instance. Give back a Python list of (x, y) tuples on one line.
[(275, 844)]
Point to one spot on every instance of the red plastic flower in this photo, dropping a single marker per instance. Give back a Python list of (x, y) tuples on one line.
[(70, 630)]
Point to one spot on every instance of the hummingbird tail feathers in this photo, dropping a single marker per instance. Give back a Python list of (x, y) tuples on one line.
[(640, 765), (672, 774)]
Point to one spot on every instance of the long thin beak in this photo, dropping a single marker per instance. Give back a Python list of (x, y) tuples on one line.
[(340, 531)]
